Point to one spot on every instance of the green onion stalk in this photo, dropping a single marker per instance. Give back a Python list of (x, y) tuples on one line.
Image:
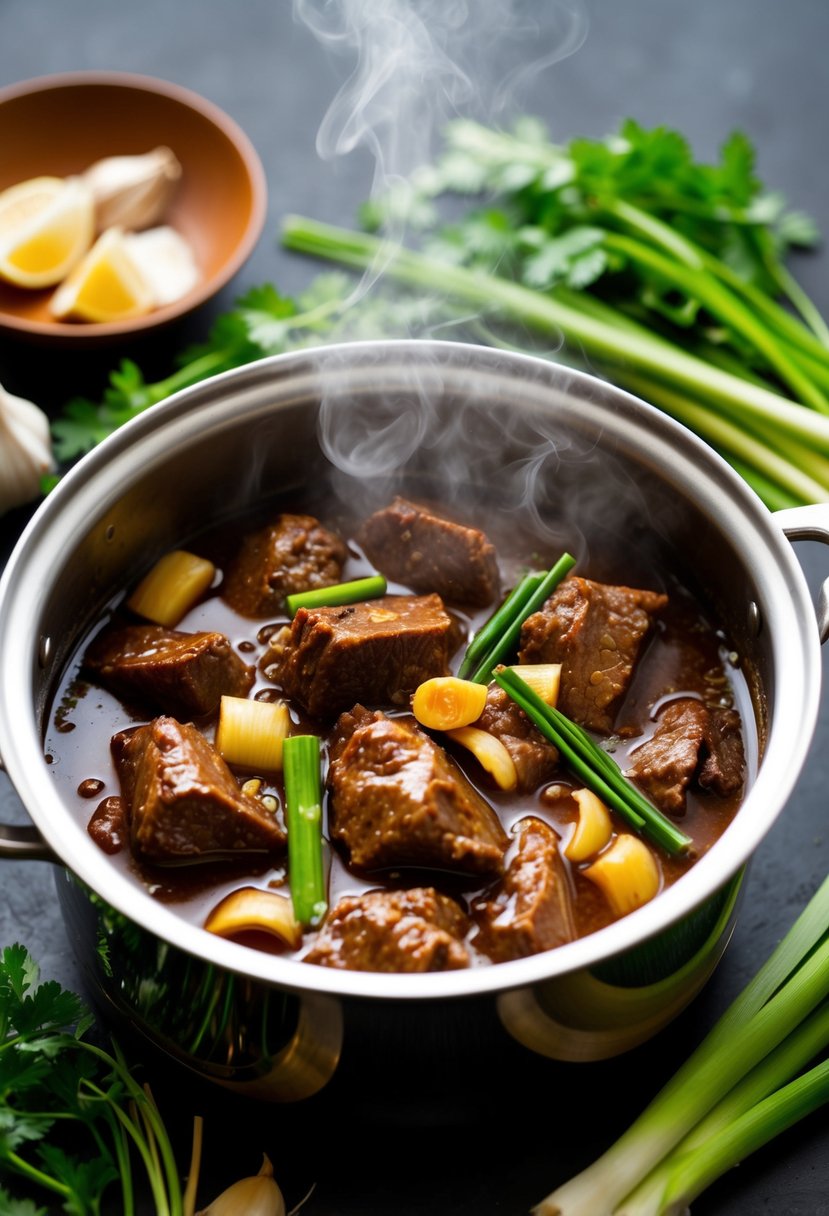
[(742, 403), (303, 810)]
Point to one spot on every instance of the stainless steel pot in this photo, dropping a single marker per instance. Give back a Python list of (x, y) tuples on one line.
[(478, 422)]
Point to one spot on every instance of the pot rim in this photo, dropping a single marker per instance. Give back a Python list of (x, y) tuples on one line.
[(710, 481)]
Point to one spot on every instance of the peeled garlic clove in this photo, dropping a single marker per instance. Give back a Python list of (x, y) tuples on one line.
[(259, 1196), (25, 450), (166, 263), (133, 191)]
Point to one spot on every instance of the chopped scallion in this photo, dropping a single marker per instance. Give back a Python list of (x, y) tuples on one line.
[(489, 633), (353, 592), (599, 771), (303, 807)]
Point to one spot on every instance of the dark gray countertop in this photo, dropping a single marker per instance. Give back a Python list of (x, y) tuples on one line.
[(704, 68)]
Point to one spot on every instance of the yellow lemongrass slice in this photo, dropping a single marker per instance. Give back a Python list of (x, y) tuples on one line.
[(46, 226), (251, 733), (176, 582), (445, 702), (250, 908), (490, 754), (627, 873), (543, 678), (593, 830)]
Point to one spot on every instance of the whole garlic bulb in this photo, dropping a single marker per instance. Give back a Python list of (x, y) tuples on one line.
[(25, 450), (132, 192)]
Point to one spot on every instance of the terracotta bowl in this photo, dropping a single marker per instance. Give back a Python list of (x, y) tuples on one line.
[(59, 125)]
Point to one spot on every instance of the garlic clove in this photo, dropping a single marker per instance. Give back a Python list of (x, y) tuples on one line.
[(133, 191), (257, 1196), (25, 450), (166, 263)]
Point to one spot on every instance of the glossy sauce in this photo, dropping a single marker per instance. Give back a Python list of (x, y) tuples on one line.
[(685, 655)]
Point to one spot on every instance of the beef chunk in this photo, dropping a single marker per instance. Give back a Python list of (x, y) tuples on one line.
[(397, 799), (294, 553), (377, 652), (417, 930), (184, 674), (596, 632), (689, 741), (423, 551), (183, 804), (535, 759), (530, 909)]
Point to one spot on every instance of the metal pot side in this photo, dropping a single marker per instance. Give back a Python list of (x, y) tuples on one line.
[(357, 418)]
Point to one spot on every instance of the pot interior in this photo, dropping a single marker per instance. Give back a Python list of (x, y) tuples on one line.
[(459, 424)]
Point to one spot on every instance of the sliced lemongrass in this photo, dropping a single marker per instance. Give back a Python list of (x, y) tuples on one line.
[(250, 909), (447, 702), (593, 828), (354, 592), (303, 810), (626, 873), (176, 582), (543, 678), (490, 753), (251, 733), (507, 641), (790, 985), (489, 633)]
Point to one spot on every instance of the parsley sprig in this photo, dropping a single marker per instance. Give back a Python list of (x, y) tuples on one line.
[(73, 1120)]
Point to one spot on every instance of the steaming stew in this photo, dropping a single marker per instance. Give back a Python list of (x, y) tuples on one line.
[(429, 863)]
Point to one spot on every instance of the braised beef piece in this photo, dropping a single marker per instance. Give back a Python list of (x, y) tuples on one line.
[(377, 652), (416, 930), (184, 674), (397, 799), (690, 741), (535, 759), (596, 632), (412, 545), (182, 802), (294, 553), (530, 909)]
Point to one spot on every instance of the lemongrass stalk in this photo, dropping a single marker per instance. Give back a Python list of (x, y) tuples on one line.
[(353, 592), (778, 1068), (548, 315), (792, 983), (775, 498), (303, 809), (694, 1172), (731, 439), (723, 304), (189, 1198)]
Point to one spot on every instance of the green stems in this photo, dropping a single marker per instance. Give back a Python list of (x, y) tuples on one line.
[(523, 605), (303, 800), (353, 592), (594, 766)]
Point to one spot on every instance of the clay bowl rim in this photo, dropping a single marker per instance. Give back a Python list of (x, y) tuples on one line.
[(88, 333)]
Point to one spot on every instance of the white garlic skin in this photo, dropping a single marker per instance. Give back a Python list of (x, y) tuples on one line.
[(165, 261), (259, 1196), (133, 191), (25, 450)]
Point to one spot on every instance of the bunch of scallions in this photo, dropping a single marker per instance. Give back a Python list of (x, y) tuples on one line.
[(664, 274), (743, 1085)]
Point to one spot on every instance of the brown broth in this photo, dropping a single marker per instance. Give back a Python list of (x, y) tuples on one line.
[(686, 654)]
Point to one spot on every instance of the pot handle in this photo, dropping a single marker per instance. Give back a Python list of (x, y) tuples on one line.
[(810, 523), (23, 842)]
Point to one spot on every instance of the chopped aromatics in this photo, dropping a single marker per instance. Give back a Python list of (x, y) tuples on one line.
[(251, 908), (626, 873), (445, 702), (543, 678), (490, 754), (303, 810), (353, 592), (593, 830), (251, 733), (176, 582)]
